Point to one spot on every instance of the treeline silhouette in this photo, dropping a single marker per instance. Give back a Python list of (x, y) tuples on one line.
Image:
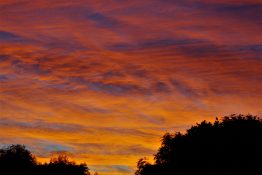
[(17, 160), (230, 146)]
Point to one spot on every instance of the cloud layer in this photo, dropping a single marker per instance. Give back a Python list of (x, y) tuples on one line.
[(104, 80)]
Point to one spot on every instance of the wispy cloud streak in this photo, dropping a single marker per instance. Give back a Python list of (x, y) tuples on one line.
[(104, 80)]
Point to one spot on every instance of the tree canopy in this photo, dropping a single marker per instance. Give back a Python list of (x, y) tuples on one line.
[(17, 160), (230, 146)]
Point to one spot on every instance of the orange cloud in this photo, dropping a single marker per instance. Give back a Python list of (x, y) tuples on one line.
[(104, 81)]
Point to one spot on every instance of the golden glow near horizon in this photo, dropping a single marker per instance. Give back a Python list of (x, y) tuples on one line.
[(104, 80)]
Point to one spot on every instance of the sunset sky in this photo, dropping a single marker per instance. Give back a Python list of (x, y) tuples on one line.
[(103, 80)]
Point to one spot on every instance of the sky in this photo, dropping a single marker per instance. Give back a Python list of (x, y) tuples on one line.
[(104, 80)]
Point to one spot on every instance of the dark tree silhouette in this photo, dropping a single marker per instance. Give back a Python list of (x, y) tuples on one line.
[(61, 165), (231, 146), (17, 160)]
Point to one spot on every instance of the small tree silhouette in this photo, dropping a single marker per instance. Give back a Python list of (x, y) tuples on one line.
[(15, 159), (62, 165), (231, 146)]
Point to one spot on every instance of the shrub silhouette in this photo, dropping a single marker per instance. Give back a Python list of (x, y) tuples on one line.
[(17, 160), (231, 146), (61, 165)]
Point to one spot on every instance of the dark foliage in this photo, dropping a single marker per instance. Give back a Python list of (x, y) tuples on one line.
[(231, 146), (61, 165), (17, 160)]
